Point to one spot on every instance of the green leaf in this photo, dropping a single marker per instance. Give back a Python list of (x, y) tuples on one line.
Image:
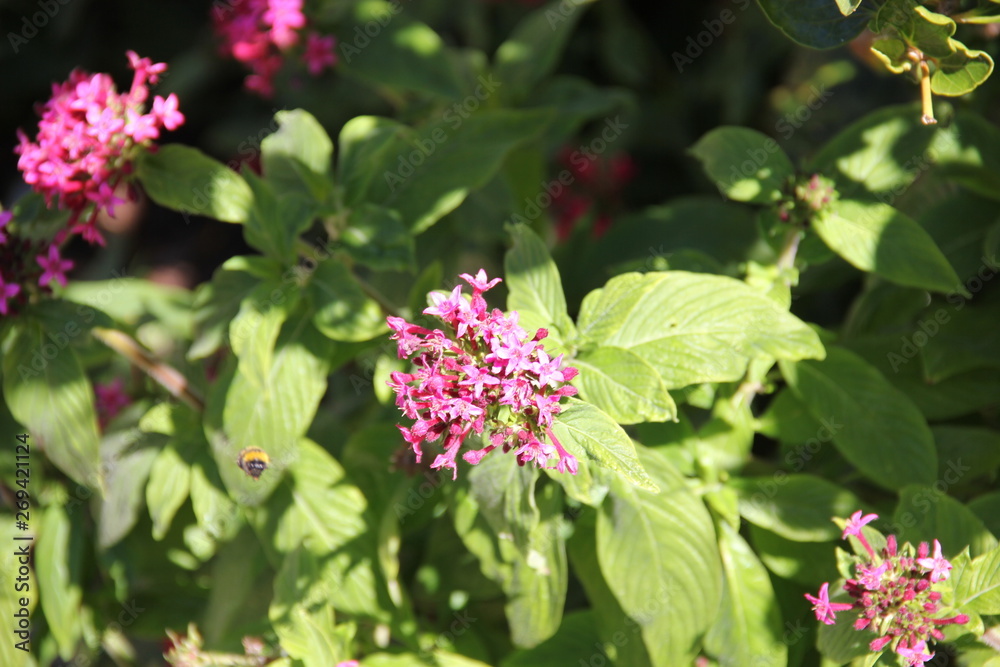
[(274, 411), (840, 642), (533, 282), (572, 642), (276, 220), (591, 435), (365, 143), (878, 156), (873, 425), (978, 587), (877, 238), (316, 506), (255, 328), (296, 158), (12, 592), (533, 48), (383, 45), (691, 327), (659, 556), (301, 613), (968, 151), (962, 72), (622, 384), (59, 568), (169, 483), (217, 302), (343, 311), (807, 563), (924, 513), (966, 452), (987, 508), (376, 237), (425, 174), (796, 507), (127, 475), (748, 629), (848, 7), (818, 24), (968, 340), (185, 179), (46, 390), (744, 164)]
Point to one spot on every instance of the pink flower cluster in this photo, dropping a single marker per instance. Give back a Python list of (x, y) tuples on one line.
[(894, 594), (17, 271), (595, 183), (111, 399), (486, 375), (258, 33), (87, 140)]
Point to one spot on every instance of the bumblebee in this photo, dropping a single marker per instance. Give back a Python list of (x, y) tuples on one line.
[(253, 461)]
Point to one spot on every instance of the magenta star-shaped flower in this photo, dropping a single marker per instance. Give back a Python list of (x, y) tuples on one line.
[(826, 610), (55, 267), (853, 527), (938, 565), (319, 53), (917, 654)]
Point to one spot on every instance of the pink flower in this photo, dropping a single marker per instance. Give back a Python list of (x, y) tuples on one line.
[(88, 136), (853, 527), (319, 53), (7, 291), (917, 654), (938, 566), (54, 266), (826, 610), (111, 399), (165, 110), (261, 33), (5, 217), (488, 378)]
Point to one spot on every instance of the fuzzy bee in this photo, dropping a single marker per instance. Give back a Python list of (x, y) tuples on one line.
[(253, 461)]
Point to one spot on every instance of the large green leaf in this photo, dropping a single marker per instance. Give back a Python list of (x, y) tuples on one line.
[(797, 507), (317, 507), (877, 156), (380, 43), (59, 568), (818, 24), (533, 283), (874, 425), (14, 583), (427, 173), (969, 151), (967, 340), (808, 563), (574, 641), (691, 327), (879, 239), (301, 613), (276, 219), (624, 385), (659, 555), (343, 311), (533, 48), (217, 302), (127, 457), (296, 158), (46, 390), (591, 435), (925, 513), (275, 410), (186, 180), (977, 585), (744, 164), (376, 237), (748, 629), (525, 533)]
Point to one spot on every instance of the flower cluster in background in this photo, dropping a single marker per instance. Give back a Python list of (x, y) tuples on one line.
[(486, 375), (111, 399), (88, 137), (895, 594), (260, 33), (596, 187)]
